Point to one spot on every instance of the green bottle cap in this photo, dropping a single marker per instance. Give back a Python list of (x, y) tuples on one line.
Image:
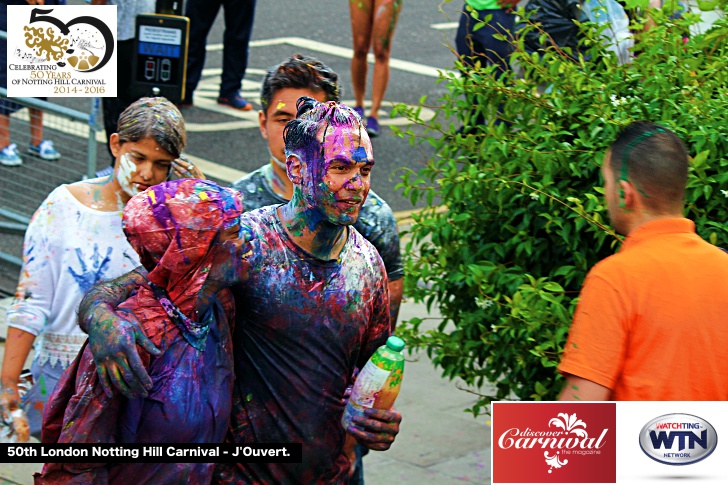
[(395, 343)]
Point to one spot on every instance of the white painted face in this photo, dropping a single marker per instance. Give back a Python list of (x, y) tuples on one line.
[(125, 174), (139, 164)]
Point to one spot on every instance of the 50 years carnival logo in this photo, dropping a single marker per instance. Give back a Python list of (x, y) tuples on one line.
[(90, 34), (678, 439), (554, 443), (61, 51)]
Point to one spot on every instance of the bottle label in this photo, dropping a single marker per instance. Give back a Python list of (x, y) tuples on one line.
[(368, 384), (370, 381)]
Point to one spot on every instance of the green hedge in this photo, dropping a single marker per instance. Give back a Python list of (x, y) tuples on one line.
[(524, 216)]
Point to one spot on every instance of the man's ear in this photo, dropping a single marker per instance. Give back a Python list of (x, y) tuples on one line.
[(627, 194), (295, 168), (262, 119)]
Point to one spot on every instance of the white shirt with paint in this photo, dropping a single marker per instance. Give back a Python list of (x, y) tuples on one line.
[(68, 248)]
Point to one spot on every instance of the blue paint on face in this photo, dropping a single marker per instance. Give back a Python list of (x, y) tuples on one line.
[(359, 155)]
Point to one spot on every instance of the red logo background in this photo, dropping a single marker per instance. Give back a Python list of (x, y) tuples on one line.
[(529, 465)]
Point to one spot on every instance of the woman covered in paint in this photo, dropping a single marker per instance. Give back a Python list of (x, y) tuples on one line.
[(372, 25), (75, 240), (187, 233)]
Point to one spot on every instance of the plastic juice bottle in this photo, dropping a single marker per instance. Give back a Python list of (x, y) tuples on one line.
[(378, 383)]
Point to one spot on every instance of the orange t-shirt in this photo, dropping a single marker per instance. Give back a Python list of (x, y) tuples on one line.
[(652, 320)]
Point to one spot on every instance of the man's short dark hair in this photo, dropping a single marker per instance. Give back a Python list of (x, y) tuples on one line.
[(300, 72), (655, 160)]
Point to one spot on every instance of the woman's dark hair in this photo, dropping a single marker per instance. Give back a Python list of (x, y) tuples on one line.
[(157, 118)]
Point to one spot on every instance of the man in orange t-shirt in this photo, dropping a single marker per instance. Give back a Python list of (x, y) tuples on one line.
[(652, 320)]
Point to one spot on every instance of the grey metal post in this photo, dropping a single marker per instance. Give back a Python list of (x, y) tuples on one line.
[(93, 127)]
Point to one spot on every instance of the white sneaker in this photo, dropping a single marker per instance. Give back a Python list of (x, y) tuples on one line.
[(10, 157), (44, 150)]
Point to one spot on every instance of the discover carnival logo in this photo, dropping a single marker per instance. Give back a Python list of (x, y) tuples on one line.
[(572, 442), (678, 439), (66, 50)]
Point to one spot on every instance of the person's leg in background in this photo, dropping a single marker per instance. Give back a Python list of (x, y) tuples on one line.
[(202, 15), (36, 126), (38, 146), (9, 155), (4, 130), (361, 15), (372, 25), (239, 18), (386, 13), (482, 46)]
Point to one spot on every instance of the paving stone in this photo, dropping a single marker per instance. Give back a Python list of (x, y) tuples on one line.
[(473, 467), (396, 473)]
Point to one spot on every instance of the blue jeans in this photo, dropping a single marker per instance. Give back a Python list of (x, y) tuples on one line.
[(358, 477), (481, 45), (45, 378)]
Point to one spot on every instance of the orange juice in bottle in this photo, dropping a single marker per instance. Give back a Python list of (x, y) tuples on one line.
[(378, 383)]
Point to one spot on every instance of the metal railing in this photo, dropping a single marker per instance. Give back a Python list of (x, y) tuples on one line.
[(23, 188)]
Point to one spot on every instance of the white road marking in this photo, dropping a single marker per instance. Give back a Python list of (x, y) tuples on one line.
[(344, 52), (215, 170), (445, 26)]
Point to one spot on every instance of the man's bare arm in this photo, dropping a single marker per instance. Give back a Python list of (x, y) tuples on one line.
[(113, 337), (579, 389), (102, 299), (395, 300)]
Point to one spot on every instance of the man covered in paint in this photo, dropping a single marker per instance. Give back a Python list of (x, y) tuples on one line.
[(314, 307), (269, 185), (187, 234)]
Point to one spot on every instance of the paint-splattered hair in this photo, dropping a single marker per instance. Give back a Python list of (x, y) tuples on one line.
[(300, 72), (301, 135), (157, 118), (655, 160)]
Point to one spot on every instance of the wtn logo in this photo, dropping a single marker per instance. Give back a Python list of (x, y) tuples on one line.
[(678, 439), (666, 438)]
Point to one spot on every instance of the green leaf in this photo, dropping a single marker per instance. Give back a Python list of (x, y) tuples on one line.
[(553, 286), (700, 159)]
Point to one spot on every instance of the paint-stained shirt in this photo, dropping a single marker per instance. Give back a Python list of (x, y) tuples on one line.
[(302, 326), (68, 248), (376, 221)]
